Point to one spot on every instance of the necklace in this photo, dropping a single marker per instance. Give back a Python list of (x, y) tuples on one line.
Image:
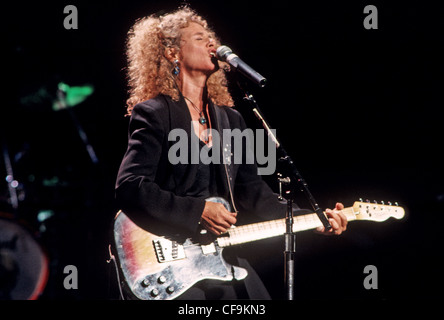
[(202, 119)]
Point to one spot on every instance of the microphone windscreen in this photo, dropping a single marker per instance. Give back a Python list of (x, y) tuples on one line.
[(223, 52)]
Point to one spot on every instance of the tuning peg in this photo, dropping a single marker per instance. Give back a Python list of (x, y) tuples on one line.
[(389, 203), (360, 200), (396, 204), (366, 200), (382, 202), (374, 201)]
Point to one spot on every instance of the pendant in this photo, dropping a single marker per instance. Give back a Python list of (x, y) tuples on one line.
[(202, 120)]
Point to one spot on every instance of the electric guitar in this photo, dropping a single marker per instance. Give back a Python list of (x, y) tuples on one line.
[(156, 267)]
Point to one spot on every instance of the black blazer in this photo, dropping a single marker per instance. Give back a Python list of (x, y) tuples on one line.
[(153, 192)]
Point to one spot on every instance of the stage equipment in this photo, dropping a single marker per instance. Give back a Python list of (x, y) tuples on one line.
[(23, 262), (225, 54), (67, 97)]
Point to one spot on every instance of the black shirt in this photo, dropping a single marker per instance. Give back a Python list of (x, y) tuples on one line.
[(204, 185)]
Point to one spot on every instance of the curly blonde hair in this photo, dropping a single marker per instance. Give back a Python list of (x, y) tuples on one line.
[(150, 73)]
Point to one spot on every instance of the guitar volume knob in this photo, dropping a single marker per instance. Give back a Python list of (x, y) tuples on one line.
[(161, 279), (154, 292), (145, 283), (170, 289)]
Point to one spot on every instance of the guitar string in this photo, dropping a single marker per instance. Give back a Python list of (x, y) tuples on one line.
[(235, 235)]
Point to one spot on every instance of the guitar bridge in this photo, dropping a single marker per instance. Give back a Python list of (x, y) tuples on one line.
[(167, 250)]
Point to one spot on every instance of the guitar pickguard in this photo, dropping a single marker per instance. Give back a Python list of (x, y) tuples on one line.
[(180, 275), (155, 268)]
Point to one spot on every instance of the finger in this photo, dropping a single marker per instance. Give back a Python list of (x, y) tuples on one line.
[(225, 217), (323, 231), (344, 220), (336, 228), (221, 223), (215, 223), (320, 229), (216, 218), (339, 206), (218, 231), (338, 217), (224, 220), (214, 228), (221, 217), (230, 218)]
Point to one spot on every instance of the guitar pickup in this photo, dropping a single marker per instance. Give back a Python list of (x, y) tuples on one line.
[(209, 248), (167, 250)]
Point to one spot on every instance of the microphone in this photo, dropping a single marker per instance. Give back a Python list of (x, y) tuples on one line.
[(225, 54)]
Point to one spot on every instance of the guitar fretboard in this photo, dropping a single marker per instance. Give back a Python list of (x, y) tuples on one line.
[(273, 228)]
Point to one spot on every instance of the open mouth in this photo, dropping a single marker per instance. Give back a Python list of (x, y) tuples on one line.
[(214, 58)]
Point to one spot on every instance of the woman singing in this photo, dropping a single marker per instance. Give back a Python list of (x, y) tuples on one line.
[(177, 83)]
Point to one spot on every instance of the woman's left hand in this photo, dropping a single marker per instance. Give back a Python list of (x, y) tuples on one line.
[(337, 220)]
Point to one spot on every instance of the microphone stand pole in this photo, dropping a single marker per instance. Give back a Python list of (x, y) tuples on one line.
[(289, 237), (294, 179)]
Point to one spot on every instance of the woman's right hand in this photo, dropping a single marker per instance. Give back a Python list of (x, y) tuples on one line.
[(216, 218)]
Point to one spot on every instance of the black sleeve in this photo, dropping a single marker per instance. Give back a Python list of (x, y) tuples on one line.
[(137, 192)]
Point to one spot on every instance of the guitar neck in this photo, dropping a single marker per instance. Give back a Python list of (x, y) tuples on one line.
[(273, 228)]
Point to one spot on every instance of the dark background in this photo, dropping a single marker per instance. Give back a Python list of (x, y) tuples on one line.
[(359, 111)]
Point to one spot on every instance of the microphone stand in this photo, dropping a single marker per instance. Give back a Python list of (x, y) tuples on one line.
[(294, 179), (289, 237)]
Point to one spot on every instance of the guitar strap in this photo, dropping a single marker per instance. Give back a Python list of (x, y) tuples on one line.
[(223, 123)]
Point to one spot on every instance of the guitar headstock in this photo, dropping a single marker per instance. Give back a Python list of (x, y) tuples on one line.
[(377, 212)]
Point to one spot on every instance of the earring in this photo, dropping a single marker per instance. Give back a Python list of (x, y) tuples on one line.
[(176, 67)]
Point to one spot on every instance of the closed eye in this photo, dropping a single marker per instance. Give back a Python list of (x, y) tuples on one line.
[(199, 36)]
